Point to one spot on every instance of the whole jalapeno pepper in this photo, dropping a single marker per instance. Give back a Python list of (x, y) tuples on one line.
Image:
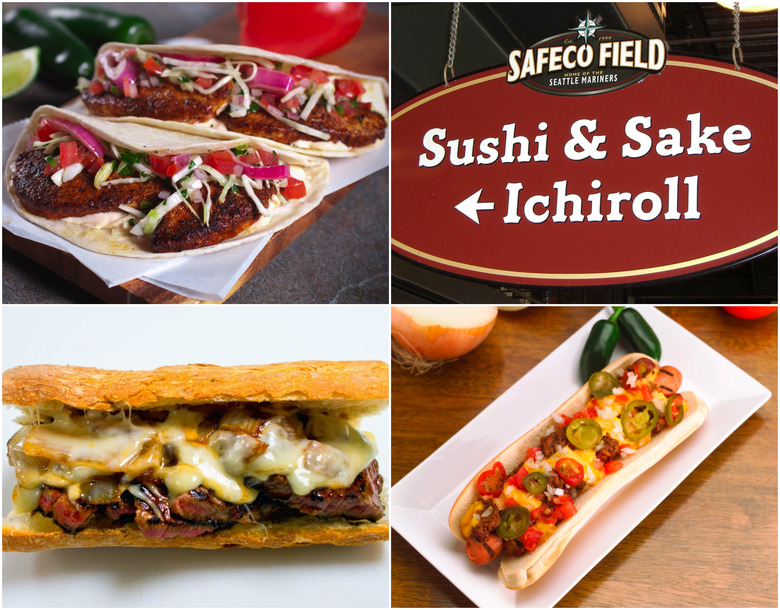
[(63, 54), (638, 334), (599, 346), (96, 25)]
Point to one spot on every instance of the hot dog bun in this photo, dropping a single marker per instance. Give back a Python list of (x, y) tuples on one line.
[(519, 572)]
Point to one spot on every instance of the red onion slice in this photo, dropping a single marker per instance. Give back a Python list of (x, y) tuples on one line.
[(268, 172), (118, 66), (80, 133), (273, 81)]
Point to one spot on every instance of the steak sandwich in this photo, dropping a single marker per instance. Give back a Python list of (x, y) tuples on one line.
[(195, 456), (318, 108), (137, 190)]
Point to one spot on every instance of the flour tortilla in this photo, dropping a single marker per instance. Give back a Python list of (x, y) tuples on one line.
[(145, 138), (376, 90)]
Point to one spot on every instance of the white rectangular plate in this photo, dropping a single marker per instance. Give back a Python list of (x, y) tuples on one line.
[(422, 500)]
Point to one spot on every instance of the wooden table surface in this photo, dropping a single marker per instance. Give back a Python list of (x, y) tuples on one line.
[(715, 535)]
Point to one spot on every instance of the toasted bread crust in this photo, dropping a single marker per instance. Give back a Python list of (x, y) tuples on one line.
[(519, 572), (351, 388), (29, 533)]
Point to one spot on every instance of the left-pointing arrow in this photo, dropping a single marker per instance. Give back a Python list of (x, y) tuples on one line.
[(471, 206)]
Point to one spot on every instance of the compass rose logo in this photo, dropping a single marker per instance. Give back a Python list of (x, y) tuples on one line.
[(587, 27)]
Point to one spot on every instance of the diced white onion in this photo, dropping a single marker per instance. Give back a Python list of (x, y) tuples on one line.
[(72, 171), (250, 191)]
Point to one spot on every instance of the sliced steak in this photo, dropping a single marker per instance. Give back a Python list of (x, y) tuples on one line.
[(202, 506), (121, 511), (70, 516), (77, 197), (166, 101), (358, 501), (152, 526)]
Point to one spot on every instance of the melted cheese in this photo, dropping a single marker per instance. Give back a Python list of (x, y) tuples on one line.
[(67, 453)]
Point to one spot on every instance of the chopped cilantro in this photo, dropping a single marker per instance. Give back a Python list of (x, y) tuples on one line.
[(340, 109), (146, 205), (114, 90), (184, 79), (51, 161), (234, 189), (254, 107), (131, 221), (241, 150), (191, 165)]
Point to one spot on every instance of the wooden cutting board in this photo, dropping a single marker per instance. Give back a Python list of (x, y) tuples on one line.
[(366, 53)]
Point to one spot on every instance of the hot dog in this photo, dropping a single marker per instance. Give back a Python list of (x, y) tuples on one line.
[(546, 485)]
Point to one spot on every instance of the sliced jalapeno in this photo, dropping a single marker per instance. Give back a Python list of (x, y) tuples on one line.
[(584, 433), (514, 521), (535, 483), (638, 419), (602, 383), (675, 403)]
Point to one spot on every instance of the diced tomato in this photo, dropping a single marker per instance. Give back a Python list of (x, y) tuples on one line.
[(159, 164), (531, 538), (621, 399), (292, 104), (646, 393), (252, 158), (152, 66), (49, 169), (222, 161), (129, 88), (351, 89), (45, 129), (587, 413), (69, 153), (318, 76), (296, 189), (300, 72), (205, 81), (268, 100), (96, 88), (268, 157), (90, 160), (516, 480), (564, 507), (566, 420), (545, 514), (510, 501), (530, 453), (612, 466)]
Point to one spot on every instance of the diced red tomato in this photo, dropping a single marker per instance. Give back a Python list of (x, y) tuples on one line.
[(318, 76), (268, 157), (516, 480), (252, 158), (621, 399), (69, 153), (612, 466), (587, 413), (152, 66), (351, 89), (296, 189), (531, 538), (129, 88), (337, 118), (45, 129), (292, 104), (96, 88), (646, 393), (530, 453), (205, 81), (545, 514), (564, 507), (566, 420), (50, 169), (268, 100), (160, 164), (222, 161), (300, 72)]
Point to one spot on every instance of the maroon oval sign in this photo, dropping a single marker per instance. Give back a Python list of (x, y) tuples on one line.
[(674, 175)]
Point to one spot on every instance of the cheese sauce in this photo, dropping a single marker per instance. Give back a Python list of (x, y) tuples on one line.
[(187, 450)]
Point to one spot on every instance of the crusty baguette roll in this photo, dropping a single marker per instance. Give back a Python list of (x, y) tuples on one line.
[(351, 389), (519, 572), (348, 390)]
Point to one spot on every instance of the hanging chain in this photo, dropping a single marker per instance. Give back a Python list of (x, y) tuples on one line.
[(736, 48), (453, 39)]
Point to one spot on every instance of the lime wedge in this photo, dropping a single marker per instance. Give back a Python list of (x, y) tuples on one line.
[(19, 70)]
